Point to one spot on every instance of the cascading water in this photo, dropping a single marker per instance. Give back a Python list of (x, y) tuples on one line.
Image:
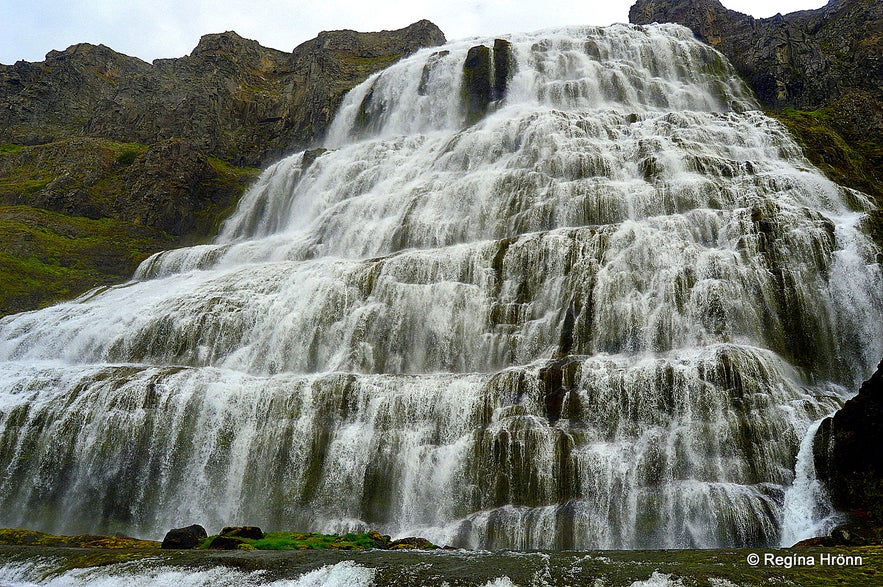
[(601, 313)]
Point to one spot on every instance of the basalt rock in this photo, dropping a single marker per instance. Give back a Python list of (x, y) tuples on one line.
[(412, 543), (486, 74), (251, 532), (230, 97), (848, 458), (225, 543), (184, 538)]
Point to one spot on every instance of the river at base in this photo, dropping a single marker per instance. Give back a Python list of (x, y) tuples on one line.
[(69, 567)]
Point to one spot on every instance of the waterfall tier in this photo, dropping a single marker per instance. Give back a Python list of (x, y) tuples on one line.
[(603, 312)]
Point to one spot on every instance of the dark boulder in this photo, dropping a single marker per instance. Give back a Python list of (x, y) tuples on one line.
[(225, 543), (251, 532), (504, 65), (845, 535), (477, 82), (184, 538), (486, 74)]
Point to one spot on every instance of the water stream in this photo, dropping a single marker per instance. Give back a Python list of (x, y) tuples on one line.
[(603, 315)]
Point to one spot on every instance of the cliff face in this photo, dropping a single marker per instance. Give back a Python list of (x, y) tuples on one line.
[(230, 97), (804, 59), (820, 72), (155, 155), (848, 459)]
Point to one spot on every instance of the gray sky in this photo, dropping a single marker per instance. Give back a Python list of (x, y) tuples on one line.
[(151, 29)]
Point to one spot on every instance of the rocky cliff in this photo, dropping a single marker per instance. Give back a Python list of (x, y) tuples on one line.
[(848, 458), (156, 154), (230, 97), (820, 72)]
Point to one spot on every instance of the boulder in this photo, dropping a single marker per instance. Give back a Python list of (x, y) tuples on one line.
[(477, 82), (381, 541), (251, 532), (225, 543), (486, 74), (184, 538), (412, 543)]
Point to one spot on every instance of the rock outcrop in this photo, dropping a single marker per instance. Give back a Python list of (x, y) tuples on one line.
[(486, 74), (230, 97), (184, 538), (848, 458), (805, 59)]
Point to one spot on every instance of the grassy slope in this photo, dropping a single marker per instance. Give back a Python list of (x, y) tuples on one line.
[(857, 164), (50, 256)]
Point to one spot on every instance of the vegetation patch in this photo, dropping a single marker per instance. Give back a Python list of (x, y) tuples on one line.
[(855, 164), (304, 541), (21, 537), (49, 256)]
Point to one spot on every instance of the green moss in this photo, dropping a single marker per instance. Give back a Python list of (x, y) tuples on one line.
[(229, 179), (21, 537), (52, 256), (9, 148), (128, 156), (304, 541), (49, 257), (855, 164)]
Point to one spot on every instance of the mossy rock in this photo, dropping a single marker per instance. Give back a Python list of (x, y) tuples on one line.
[(22, 537)]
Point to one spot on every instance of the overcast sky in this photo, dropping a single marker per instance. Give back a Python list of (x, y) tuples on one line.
[(151, 29)]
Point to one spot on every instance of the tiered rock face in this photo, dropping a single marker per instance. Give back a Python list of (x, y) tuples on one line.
[(827, 62), (159, 152)]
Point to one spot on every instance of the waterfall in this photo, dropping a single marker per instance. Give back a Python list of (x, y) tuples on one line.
[(601, 309)]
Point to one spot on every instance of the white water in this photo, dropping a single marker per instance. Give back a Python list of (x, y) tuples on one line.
[(807, 510), (343, 574), (367, 343)]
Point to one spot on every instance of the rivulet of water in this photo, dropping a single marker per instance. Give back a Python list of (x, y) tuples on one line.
[(606, 314)]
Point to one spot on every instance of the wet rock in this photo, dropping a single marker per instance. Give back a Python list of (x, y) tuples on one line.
[(848, 458), (486, 74), (251, 532), (825, 62), (412, 543), (803, 59), (558, 378), (845, 535), (310, 155), (184, 538), (477, 82), (382, 541), (225, 543), (504, 65)]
